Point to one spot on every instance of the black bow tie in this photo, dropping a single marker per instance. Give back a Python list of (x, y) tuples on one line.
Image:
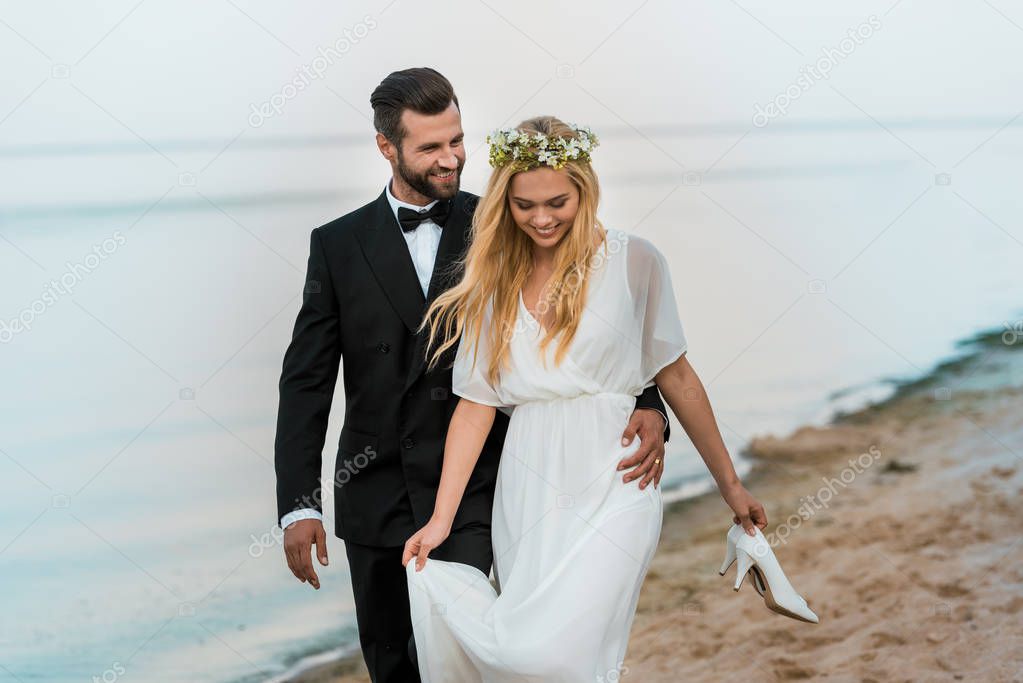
[(438, 213)]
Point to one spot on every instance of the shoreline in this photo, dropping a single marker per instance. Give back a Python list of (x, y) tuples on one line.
[(884, 519)]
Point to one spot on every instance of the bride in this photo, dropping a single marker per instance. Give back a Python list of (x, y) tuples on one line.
[(562, 323)]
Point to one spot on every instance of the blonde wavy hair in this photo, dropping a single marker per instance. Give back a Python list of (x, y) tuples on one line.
[(500, 259)]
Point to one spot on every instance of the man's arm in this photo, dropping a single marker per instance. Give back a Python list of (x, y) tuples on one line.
[(306, 388), (651, 398), (298, 515), (650, 423)]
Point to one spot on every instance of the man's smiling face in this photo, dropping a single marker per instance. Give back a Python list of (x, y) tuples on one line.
[(432, 154)]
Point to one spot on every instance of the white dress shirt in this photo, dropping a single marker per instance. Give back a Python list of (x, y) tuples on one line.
[(423, 243)]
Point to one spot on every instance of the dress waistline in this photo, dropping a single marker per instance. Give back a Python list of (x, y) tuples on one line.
[(563, 399)]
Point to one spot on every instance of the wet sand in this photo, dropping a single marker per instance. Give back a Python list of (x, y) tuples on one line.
[(900, 524)]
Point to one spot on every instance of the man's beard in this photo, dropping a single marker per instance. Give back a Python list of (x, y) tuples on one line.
[(420, 182)]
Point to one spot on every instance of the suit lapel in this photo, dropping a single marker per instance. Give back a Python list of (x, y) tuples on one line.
[(387, 254), (446, 273), (452, 242)]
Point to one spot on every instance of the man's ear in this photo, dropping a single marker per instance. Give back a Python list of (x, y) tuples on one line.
[(386, 148)]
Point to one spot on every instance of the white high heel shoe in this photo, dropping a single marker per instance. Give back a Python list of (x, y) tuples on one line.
[(729, 557), (754, 556)]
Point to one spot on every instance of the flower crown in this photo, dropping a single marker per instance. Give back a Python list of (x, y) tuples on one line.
[(528, 150)]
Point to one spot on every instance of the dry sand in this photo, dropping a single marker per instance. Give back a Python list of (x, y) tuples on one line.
[(912, 556)]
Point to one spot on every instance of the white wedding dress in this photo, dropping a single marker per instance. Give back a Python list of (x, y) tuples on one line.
[(571, 540)]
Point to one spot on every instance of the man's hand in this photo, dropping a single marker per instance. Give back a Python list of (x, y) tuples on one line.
[(298, 541), (648, 461)]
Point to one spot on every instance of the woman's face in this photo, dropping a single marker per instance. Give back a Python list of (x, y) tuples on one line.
[(543, 204)]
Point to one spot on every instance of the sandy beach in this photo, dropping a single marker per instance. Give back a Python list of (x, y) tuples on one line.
[(900, 524)]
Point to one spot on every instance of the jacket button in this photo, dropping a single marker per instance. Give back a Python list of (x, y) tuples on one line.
[(384, 347), (407, 443)]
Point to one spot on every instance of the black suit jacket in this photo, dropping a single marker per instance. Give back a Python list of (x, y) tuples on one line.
[(363, 302)]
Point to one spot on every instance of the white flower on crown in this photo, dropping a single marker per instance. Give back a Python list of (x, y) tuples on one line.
[(527, 150)]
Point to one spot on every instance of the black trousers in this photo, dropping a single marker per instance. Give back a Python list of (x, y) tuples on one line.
[(382, 602)]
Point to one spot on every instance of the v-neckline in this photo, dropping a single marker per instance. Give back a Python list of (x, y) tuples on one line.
[(525, 309)]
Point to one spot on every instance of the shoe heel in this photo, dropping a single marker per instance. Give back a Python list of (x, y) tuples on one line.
[(744, 561), (729, 557)]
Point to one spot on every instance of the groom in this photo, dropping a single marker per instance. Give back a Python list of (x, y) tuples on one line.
[(371, 275)]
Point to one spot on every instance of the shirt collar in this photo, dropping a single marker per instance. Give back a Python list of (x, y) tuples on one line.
[(397, 203)]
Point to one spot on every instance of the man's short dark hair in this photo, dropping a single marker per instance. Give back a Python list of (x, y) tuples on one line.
[(423, 90)]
